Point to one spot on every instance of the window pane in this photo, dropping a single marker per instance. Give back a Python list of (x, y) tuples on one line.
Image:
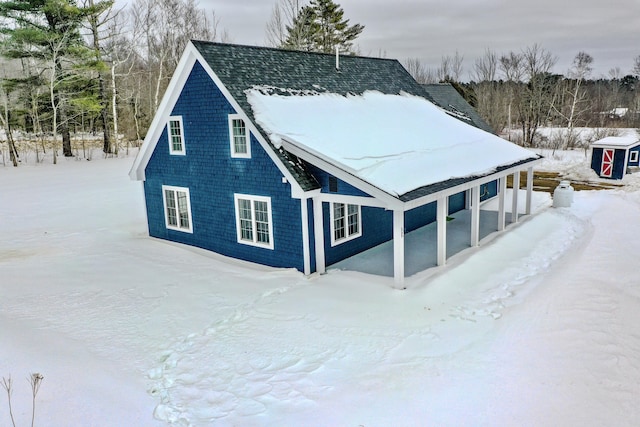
[(262, 221), (171, 207), (353, 219), (182, 209), (246, 222), (239, 136), (175, 135), (338, 221)]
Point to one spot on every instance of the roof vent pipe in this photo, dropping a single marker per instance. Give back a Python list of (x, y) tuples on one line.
[(337, 58)]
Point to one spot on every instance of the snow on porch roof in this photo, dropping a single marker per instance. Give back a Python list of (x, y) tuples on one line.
[(397, 143)]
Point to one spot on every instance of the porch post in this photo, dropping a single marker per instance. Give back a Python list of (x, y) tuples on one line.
[(398, 248), (502, 188), (529, 190), (441, 219), (514, 201), (306, 253), (475, 216), (318, 232)]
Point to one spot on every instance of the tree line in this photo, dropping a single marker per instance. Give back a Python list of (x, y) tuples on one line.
[(518, 90), (85, 67)]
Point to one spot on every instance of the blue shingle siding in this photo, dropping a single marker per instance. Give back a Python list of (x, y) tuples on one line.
[(377, 227), (596, 159), (213, 177), (343, 188)]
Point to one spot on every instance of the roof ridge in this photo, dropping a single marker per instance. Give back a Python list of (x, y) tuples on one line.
[(277, 49)]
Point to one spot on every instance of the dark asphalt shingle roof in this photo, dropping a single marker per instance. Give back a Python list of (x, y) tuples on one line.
[(244, 67), (446, 96)]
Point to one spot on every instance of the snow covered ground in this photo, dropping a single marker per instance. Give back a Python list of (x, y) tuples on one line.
[(539, 326)]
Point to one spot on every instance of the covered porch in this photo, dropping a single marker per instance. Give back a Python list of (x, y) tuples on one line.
[(421, 244), (431, 245)]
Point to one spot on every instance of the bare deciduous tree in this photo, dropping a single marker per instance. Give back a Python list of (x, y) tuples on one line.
[(419, 71)]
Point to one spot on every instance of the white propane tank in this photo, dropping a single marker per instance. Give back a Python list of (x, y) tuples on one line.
[(563, 195)]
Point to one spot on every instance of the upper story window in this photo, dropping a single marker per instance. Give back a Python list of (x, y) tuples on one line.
[(345, 222), (239, 137), (177, 208), (253, 220), (176, 135)]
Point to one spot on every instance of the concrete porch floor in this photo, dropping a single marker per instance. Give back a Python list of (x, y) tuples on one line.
[(421, 244)]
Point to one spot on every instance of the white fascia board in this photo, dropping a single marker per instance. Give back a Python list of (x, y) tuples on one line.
[(388, 200), (467, 185), (295, 186), (352, 200), (159, 122)]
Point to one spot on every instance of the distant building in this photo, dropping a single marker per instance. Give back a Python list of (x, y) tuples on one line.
[(613, 156)]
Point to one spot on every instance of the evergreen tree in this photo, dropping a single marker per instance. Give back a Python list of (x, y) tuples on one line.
[(47, 32), (321, 27)]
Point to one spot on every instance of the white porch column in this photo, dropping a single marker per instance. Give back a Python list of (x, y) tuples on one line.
[(475, 216), (306, 253), (514, 202), (398, 248), (529, 190), (502, 189), (318, 232), (441, 218)]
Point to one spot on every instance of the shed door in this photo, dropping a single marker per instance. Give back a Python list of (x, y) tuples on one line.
[(606, 169)]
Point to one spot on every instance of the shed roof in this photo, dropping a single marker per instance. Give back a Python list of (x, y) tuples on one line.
[(618, 141)]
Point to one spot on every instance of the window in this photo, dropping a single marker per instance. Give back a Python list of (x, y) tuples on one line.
[(633, 156), (177, 208), (333, 184), (176, 137), (240, 146), (253, 220), (345, 222)]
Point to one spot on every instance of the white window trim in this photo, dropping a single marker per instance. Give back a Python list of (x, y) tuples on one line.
[(633, 156), (348, 236), (232, 145), (171, 150), (253, 199), (164, 205)]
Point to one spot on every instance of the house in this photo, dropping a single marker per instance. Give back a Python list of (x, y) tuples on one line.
[(613, 156), (298, 159)]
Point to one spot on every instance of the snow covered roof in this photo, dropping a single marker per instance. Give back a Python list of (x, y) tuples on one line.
[(397, 143), (617, 141)]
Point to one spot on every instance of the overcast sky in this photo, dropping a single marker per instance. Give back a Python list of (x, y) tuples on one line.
[(609, 30)]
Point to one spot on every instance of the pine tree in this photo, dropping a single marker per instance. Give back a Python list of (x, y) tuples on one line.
[(321, 27), (333, 30), (47, 32)]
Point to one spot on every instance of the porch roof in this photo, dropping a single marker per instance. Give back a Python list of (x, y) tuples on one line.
[(402, 144)]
